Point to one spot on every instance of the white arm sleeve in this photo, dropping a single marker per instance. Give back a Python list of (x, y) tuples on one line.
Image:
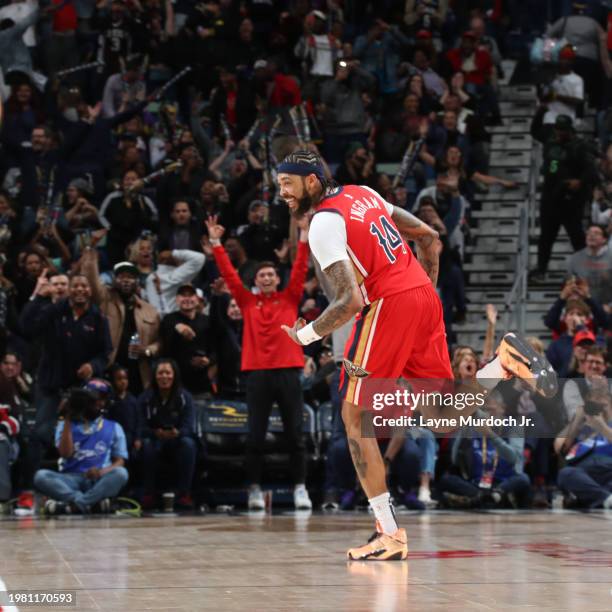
[(327, 238)]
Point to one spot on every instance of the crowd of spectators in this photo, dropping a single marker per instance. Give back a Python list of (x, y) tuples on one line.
[(146, 259)]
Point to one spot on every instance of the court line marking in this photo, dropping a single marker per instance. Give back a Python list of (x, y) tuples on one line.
[(65, 562), (6, 608), (327, 586)]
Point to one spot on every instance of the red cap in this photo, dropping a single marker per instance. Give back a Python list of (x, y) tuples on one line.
[(584, 335), (424, 34), (567, 53)]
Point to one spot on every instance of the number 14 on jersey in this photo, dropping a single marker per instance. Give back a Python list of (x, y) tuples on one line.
[(388, 238)]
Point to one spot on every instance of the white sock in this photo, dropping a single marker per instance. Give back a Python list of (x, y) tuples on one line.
[(381, 505), (489, 375), (299, 487)]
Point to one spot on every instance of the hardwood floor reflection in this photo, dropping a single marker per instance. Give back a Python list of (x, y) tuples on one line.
[(458, 561)]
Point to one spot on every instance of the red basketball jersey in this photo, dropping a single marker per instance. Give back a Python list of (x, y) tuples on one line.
[(383, 262)]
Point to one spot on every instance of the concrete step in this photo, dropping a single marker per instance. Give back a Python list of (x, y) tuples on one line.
[(513, 125), (500, 213), (516, 174), (518, 93), (519, 108), (501, 227), (482, 248), (478, 320), (533, 324), (478, 309), (511, 142), (496, 193), (496, 278), (485, 259), (495, 207), (509, 159), (486, 296), (484, 263), (491, 229), (476, 339)]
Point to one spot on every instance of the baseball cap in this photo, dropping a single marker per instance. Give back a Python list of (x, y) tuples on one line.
[(125, 266), (82, 185), (584, 335), (186, 288), (567, 53), (260, 64), (424, 35), (319, 15), (98, 387)]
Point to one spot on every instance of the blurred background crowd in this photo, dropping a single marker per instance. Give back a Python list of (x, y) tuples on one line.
[(138, 134)]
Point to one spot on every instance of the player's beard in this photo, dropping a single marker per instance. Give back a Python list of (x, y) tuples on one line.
[(305, 203)]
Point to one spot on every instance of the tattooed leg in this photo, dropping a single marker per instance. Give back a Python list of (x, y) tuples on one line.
[(365, 453), (360, 465)]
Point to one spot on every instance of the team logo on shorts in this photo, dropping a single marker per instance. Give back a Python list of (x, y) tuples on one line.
[(354, 371)]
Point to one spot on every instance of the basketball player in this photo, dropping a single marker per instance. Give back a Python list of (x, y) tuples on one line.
[(359, 240)]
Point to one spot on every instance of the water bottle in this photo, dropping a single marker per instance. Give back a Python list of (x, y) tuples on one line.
[(134, 341), (557, 500)]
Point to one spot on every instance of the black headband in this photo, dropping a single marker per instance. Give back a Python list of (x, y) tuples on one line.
[(300, 169)]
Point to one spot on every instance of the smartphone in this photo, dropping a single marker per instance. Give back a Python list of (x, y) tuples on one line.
[(593, 408)]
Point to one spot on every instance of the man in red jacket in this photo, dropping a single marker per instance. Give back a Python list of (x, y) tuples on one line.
[(273, 361), (474, 62), (477, 67)]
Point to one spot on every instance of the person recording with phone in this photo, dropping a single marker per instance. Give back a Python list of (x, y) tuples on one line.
[(576, 390), (586, 445)]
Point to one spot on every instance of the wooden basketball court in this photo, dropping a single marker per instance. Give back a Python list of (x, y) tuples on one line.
[(458, 561)]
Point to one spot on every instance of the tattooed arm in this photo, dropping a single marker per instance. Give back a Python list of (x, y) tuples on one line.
[(347, 301), (346, 304), (425, 238)]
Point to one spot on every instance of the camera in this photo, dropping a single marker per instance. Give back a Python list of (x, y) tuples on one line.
[(593, 408), (79, 405)]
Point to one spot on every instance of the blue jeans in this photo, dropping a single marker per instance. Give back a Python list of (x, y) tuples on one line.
[(42, 437), (590, 481), (427, 446), (77, 488)]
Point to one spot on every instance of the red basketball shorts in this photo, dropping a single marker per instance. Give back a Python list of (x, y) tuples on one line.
[(401, 335)]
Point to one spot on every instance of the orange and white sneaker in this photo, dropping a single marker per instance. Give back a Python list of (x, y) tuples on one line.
[(519, 358), (382, 547)]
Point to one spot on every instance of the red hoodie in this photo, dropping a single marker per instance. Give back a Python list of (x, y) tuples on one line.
[(265, 346), (482, 63)]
